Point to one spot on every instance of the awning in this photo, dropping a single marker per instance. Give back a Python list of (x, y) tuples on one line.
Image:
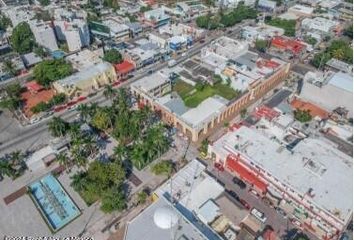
[(245, 174)]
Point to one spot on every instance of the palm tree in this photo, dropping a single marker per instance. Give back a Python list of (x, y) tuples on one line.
[(109, 92), (120, 153), (6, 168), (58, 127), (85, 111), (338, 53), (79, 181), (63, 160), (74, 131), (10, 68)]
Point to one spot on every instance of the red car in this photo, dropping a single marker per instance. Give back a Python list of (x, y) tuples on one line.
[(116, 83), (245, 204), (81, 98), (59, 108), (219, 167)]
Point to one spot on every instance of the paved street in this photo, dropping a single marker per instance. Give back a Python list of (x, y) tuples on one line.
[(25, 138)]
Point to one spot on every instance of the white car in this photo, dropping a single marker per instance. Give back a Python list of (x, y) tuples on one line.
[(259, 215)]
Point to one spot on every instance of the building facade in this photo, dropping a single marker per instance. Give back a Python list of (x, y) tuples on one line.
[(303, 179), (221, 114)]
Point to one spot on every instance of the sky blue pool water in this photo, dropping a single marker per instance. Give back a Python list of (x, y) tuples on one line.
[(57, 207)]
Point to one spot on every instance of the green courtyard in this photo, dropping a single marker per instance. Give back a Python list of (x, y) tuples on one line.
[(194, 95)]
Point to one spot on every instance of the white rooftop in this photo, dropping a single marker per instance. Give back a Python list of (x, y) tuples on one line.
[(85, 58), (115, 27), (150, 82), (301, 9), (343, 81), (210, 107), (144, 226), (319, 23), (190, 188), (314, 164), (85, 74)]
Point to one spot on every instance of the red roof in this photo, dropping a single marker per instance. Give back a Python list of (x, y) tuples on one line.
[(288, 44), (315, 111), (124, 67), (33, 86), (244, 173)]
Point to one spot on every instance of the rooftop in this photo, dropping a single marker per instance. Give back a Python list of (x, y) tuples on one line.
[(85, 74), (343, 81), (301, 8), (340, 65), (85, 58), (143, 225), (288, 44), (190, 189), (315, 111), (150, 82), (313, 164), (226, 47)]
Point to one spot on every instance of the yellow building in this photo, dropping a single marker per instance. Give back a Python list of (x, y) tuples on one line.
[(87, 81)]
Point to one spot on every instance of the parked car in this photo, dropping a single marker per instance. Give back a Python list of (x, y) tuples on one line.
[(245, 204), (219, 167), (281, 212), (259, 215), (239, 182), (254, 193), (233, 194), (296, 223)]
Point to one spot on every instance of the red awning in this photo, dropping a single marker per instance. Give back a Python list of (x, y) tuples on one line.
[(124, 67), (245, 174)]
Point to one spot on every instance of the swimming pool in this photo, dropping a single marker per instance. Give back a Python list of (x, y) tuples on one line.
[(54, 203)]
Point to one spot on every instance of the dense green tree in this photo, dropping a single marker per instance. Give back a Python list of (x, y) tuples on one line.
[(10, 68), (287, 25), (85, 112), (5, 22), (49, 71), (145, 9), (113, 56), (142, 197), (111, 4), (102, 119), (12, 100), (349, 32), (302, 115), (113, 200), (6, 169), (40, 51), (310, 40), (44, 2), (58, 127), (109, 92), (338, 49), (22, 38)]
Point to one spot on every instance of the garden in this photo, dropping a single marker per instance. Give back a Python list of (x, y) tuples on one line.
[(194, 95)]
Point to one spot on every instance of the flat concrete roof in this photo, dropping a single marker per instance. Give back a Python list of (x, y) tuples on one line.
[(343, 81), (150, 82), (205, 110), (313, 164), (144, 227)]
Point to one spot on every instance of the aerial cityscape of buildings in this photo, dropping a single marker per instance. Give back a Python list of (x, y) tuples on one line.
[(176, 120)]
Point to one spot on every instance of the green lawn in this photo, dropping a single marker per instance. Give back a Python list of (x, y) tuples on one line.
[(192, 100), (182, 88)]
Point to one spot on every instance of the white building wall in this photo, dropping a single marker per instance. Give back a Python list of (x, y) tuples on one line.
[(44, 35)]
